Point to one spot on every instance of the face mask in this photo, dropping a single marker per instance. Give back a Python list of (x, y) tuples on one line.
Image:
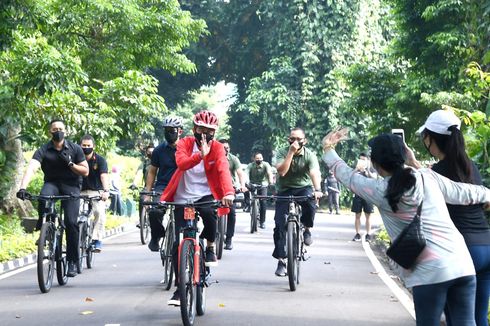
[(58, 136), (87, 150), (258, 162), (300, 144), (198, 137), (171, 136)]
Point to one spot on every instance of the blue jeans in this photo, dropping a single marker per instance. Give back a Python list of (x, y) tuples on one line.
[(458, 295)]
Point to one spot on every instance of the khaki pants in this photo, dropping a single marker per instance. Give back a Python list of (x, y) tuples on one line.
[(98, 209)]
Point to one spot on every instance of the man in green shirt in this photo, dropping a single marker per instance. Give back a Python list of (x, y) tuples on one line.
[(297, 171), (260, 172), (236, 173)]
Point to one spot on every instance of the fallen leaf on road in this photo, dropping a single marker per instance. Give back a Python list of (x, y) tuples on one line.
[(326, 263), (86, 312), (221, 305), (375, 272), (18, 316), (88, 299)]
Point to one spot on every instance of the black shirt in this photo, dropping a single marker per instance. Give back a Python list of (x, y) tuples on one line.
[(54, 167), (97, 165), (163, 158), (469, 220)]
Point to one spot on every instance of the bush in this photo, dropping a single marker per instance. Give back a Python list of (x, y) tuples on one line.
[(14, 241)]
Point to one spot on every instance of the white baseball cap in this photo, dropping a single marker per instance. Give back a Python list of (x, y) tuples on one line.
[(439, 122)]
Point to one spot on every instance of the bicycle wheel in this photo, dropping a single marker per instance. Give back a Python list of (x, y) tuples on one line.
[(166, 254), (254, 211), (292, 242), (82, 245), (61, 263), (187, 288), (201, 286), (144, 226), (90, 247), (45, 257), (220, 236)]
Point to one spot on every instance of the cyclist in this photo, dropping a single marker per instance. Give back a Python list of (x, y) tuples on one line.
[(63, 164), (97, 182), (297, 168), (144, 167), (162, 168), (203, 174), (235, 170), (260, 172)]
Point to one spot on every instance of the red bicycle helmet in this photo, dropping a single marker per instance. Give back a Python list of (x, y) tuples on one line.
[(206, 119)]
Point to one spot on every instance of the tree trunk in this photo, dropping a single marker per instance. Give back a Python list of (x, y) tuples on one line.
[(11, 174)]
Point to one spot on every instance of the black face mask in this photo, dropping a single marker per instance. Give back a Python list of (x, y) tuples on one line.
[(58, 135), (258, 162), (209, 137), (301, 144), (171, 136), (87, 150)]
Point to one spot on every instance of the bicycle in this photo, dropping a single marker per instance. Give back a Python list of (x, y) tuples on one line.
[(50, 253), (295, 246), (85, 228), (254, 205), (144, 219)]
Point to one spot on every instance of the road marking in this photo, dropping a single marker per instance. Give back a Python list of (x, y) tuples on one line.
[(17, 271), (402, 297)]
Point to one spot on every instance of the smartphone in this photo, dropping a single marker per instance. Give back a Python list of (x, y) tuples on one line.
[(399, 133)]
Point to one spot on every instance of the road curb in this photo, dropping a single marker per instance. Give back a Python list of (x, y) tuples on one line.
[(17, 263)]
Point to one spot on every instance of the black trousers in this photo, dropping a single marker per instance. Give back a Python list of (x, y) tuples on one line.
[(209, 219), (155, 215), (70, 208), (262, 203)]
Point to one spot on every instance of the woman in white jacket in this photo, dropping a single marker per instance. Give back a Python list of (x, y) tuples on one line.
[(443, 273)]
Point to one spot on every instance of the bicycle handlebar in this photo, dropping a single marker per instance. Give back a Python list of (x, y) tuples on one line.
[(31, 197), (90, 197), (150, 193), (288, 198), (210, 203)]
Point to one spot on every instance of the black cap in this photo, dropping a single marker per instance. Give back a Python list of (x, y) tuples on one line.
[(387, 148)]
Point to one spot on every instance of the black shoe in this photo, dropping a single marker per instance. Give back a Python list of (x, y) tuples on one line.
[(210, 259), (337, 213), (154, 244), (228, 244), (357, 237), (175, 299), (262, 226), (368, 238), (307, 238), (72, 269), (281, 269)]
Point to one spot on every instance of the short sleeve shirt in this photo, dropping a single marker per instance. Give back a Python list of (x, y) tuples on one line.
[(235, 164), (298, 175), (54, 167), (97, 165), (163, 158), (259, 173)]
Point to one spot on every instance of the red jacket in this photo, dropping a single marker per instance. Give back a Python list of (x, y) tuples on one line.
[(215, 166)]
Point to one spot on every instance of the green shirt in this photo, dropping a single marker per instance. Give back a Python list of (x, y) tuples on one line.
[(259, 174), (234, 163), (298, 175)]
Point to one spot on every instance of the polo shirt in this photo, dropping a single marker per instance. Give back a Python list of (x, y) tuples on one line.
[(298, 175), (54, 167), (97, 165), (259, 173), (163, 158), (234, 163)]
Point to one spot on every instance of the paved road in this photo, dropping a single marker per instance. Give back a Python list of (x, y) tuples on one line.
[(339, 287)]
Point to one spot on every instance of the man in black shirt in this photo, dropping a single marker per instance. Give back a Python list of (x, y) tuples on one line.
[(63, 164), (96, 183)]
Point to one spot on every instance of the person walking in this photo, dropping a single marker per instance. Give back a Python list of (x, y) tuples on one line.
[(443, 274), (332, 189)]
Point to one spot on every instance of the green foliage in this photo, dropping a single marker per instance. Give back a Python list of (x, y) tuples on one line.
[(14, 242)]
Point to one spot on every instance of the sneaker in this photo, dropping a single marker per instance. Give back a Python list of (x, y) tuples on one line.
[(307, 238), (281, 269), (337, 213), (72, 269), (175, 299), (262, 226), (357, 237), (329, 212), (210, 259), (97, 244), (228, 244), (368, 238), (154, 244)]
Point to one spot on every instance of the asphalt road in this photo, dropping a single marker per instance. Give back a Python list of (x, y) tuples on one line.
[(338, 286)]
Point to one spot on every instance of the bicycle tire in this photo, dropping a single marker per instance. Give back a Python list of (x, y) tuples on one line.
[(253, 216), (201, 287), (82, 245), (220, 236), (166, 254), (187, 288), (144, 226), (61, 263), (292, 236), (90, 247), (45, 257)]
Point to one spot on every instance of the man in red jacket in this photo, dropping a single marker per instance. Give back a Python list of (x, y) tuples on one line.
[(202, 174)]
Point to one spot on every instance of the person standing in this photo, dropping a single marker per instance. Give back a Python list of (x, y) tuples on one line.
[(298, 170), (260, 172), (238, 180), (332, 188), (63, 164), (161, 169), (443, 139), (97, 182)]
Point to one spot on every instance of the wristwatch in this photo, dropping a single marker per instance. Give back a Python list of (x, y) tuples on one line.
[(71, 164)]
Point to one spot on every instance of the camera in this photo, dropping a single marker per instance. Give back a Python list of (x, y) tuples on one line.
[(399, 133)]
